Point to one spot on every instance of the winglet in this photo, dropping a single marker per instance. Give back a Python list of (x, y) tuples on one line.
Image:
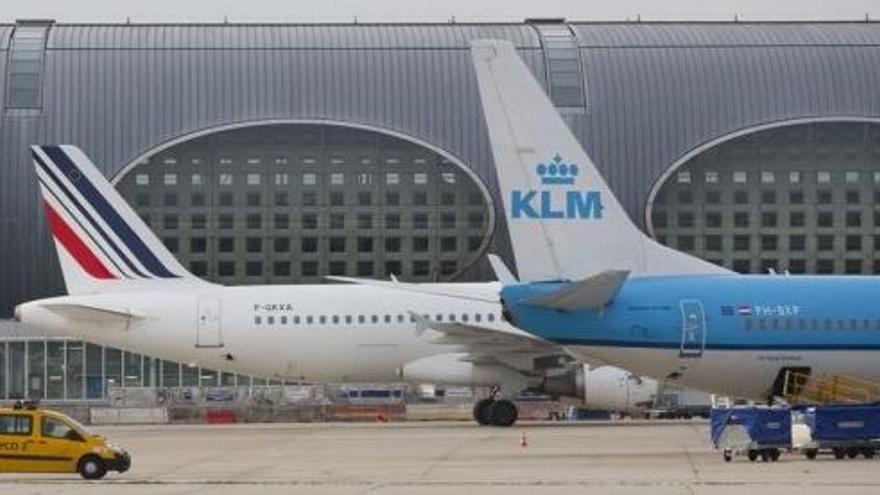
[(502, 273), (590, 294)]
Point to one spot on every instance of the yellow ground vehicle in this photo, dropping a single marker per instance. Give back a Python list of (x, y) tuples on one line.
[(34, 440)]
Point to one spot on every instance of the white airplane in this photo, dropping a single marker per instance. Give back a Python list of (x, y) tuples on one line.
[(126, 290)]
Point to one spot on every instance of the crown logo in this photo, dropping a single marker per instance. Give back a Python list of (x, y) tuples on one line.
[(556, 172)]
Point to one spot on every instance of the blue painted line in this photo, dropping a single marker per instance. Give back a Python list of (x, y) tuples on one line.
[(134, 243), (86, 214)]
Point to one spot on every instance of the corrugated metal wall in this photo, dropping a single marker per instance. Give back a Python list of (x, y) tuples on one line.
[(654, 92)]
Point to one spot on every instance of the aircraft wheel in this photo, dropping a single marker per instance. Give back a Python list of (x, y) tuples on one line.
[(811, 453), (481, 411), (868, 452), (503, 413), (765, 455), (852, 452), (774, 455), (92, 468), (728, 455), (839, 452), (753, 455)]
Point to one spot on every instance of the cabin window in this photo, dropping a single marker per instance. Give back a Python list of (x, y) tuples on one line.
[(478, 317), (464, 317), (828, 324), (296, 320), (387, 318), (841, 325), (257, 320), (491, 317), (309, 320), (788, 324), (361, 319), (775, 324), (762, 324), (399, 318), (284, 320), (335, 319), (853, 324), (451, 317), (866, 324), (439, 317), (347, 318), (270, 320), (374, 319), (748, 323)]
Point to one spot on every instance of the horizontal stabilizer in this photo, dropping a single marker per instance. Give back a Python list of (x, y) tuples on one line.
[(590, 294), (92, 312)]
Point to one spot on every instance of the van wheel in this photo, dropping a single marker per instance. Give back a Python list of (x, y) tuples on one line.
[(92, 467)]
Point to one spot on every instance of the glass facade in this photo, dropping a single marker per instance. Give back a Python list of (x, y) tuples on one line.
[(69, 370), (291, 203), (802, 198), (24, 70)]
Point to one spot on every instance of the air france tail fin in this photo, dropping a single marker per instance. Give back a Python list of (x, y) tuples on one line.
[(102, 244), (563, 220)]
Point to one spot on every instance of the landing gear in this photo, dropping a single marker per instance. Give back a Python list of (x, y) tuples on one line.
[(481, 411), (501, 412)]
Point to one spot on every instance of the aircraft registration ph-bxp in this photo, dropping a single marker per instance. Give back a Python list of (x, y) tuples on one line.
[(126, 290), (623, 299)]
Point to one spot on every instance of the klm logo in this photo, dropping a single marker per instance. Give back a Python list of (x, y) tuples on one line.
[(541, 204)]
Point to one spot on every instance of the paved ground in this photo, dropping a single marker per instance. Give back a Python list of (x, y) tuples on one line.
[(447, 458)]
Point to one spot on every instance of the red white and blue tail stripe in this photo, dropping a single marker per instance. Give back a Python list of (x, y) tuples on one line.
[(101, 241)]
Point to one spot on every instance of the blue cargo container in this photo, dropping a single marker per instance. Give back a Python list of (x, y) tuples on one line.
[(757, 431), (845, 430)]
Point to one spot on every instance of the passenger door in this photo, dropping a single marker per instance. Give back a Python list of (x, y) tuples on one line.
[(57, 447), (208, 332), (693, 328)]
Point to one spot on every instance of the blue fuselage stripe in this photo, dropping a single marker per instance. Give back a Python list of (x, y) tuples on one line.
[(696, 313)]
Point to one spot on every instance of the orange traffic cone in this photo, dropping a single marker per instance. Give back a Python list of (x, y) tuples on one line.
[(523, 442)]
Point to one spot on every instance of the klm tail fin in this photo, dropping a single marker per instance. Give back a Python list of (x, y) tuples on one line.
[(102, 244), (563, 219)]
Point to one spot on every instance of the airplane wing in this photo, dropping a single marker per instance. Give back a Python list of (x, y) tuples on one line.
[(590, 294), (484, 345)]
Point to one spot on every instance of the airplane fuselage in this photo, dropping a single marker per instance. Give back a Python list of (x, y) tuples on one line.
[(310, 333), (721, 333)]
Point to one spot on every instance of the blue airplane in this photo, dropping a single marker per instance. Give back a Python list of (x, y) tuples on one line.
[(625, 300)]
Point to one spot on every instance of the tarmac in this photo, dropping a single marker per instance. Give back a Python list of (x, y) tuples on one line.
[(624, 458)]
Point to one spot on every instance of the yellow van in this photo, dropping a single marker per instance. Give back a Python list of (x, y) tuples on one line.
[(34, 440)]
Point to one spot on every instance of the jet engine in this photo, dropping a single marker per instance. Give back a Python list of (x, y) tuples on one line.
[(605, 387)]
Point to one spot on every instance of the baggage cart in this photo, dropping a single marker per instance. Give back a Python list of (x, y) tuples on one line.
[(755, 431), (843, 430)]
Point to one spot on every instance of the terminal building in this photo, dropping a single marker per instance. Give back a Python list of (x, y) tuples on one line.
[(281, 153)]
